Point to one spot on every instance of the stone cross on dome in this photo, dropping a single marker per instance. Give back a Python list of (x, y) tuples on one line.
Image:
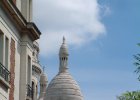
[(44, 68), (64, 40)]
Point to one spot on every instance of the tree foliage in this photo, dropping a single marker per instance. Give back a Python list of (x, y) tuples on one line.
[(134, 95), (137, 63)]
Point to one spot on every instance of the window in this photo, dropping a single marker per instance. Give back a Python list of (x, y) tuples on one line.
[(1, 47), (29, 70), (4, 57), (6, 52), (33, 85)]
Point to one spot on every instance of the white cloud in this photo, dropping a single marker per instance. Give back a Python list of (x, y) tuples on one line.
[(77, 20)]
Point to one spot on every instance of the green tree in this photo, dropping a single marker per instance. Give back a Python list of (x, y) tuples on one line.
[(134, 95), (137, 63)]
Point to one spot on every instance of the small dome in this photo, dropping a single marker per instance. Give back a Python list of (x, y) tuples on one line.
[(43, 78), (63, 87)]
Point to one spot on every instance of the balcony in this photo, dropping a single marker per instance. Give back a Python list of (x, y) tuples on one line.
[(29, 92), (4, 73)]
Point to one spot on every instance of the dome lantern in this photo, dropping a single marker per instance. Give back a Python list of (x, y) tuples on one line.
[(63, 57)]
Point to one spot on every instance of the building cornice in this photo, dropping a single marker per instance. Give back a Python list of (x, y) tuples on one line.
[(16, 16)]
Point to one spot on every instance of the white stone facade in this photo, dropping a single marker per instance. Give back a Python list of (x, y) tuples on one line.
[(19, 68)]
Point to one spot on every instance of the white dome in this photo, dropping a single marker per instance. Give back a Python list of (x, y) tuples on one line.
[(63, 87)]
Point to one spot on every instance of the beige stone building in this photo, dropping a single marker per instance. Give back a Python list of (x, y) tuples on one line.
[(19, 65)]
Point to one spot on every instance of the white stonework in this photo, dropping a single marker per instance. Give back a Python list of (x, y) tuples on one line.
[(26, 9), (36, 70), (43, 86), (16, 25)]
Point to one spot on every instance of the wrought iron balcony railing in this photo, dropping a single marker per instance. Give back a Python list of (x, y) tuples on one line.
[(29, 91), (4, 73)]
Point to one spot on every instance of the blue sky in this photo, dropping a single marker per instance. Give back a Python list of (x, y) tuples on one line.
[(102, 65)]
